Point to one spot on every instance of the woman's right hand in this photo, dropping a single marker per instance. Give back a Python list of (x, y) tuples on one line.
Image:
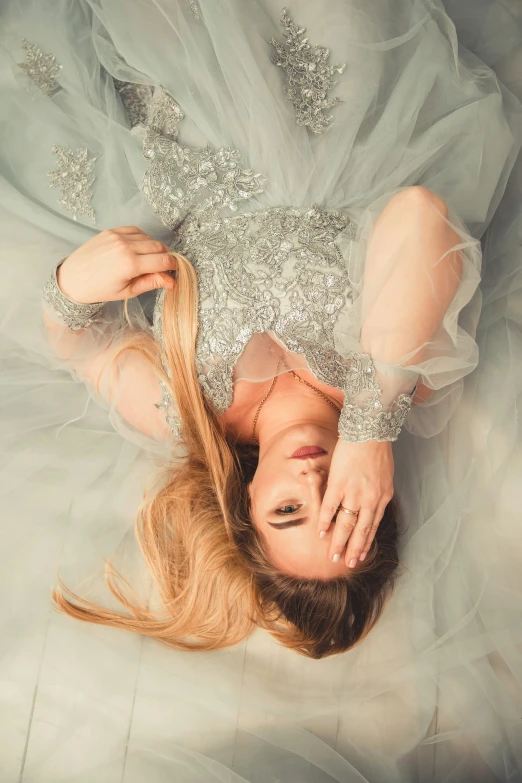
[(118, 263)]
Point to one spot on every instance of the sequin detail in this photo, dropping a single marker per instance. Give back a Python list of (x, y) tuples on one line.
[(136, 99), (278, 270), (180, 178), (42, 69), (194, 8), (309, 75), (168, 403), (65, 311), (75, 177), (170, 411), (362, 417)]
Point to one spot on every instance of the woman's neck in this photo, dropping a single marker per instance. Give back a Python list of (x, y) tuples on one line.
[(292, 404), (289, 403)]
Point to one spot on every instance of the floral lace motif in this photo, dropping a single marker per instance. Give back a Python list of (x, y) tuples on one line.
[(309, 76), (75, 177), (42, 69), (65, 311), (278, 270), (180, 178), (136, 99), (367, 420)]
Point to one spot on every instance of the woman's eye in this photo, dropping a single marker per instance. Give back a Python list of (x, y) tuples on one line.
[(287, 509)]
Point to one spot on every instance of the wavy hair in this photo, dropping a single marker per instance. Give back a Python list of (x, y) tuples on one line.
[(210, 565)]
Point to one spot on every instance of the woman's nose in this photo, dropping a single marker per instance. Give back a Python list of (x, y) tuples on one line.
[(313, 475)]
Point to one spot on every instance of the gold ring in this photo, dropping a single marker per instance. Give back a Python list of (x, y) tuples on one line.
[(348, 511)]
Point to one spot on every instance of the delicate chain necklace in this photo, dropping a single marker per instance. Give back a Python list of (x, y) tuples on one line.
[(298, 378)]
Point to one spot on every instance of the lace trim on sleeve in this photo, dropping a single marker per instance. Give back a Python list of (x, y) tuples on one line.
[(168, 404), (363, 416)]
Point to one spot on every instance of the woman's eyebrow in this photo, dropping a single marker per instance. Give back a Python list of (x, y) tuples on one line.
[(290, 523)]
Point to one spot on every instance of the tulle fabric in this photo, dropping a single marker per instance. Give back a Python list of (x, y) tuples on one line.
[(434, 693)]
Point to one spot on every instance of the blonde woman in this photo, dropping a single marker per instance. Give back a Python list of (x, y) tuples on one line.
[(253, 235), (289, 531)]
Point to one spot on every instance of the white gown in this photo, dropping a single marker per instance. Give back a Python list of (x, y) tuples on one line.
[(430, 95)]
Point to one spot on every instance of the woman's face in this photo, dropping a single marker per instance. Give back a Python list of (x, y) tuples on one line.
[(286, 495)]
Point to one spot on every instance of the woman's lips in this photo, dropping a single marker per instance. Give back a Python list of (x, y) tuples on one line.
[(308, 452)]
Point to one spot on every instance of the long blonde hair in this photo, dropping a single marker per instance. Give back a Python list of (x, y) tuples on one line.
[(209, 564)]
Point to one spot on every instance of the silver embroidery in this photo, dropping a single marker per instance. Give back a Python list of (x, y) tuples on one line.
[(168, 403), (75, 177), (170, 411), (309, 76), (194, 8), (278, 270), (362, 417), (74, 315), (42, 69), (136, 99), (179, 178)]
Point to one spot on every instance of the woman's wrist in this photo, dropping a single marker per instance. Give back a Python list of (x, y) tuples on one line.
[(71, 313)]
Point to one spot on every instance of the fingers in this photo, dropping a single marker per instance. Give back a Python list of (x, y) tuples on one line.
[(365, 524), (376, 522), (147, 247), (127, 230), (331, 501), (344, 526)]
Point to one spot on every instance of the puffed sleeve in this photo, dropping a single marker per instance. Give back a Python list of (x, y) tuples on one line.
[(415, 270), (82, 340)]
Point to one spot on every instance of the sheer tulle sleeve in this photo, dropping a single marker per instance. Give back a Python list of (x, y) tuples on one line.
[(127, 387), (415, 269)]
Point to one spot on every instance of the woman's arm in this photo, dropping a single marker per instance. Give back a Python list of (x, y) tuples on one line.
[(114, 265), (134, 391), (412, 272)]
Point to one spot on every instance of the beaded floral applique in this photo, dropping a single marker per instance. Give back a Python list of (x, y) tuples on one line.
[(309, 75), (179, 178), (136, 99), (42, 69), (278, 270), (362, 417), (194, 8), (75, 177)]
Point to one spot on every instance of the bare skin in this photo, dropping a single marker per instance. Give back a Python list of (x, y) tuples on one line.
[(423, 278)]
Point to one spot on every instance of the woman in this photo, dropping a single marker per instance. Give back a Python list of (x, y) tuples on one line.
[(334, 242), (315, 453)]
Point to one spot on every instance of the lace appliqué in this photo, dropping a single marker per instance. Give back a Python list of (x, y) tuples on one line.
[(309, 76), (75, 177), (136, 99), (194, 8), (278, 270), (168, 403), (170, 411), (42, 69), (367, 420), (179, 178), (65, 311)]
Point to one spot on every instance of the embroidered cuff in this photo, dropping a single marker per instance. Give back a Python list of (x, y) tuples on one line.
[(364, 417), (67, 312)]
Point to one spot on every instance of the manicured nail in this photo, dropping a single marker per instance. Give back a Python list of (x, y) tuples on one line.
[(352, 563), (322, 534), (362, 556), (336, 558)]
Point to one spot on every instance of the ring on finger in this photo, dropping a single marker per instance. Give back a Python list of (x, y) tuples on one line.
[(349, 511)]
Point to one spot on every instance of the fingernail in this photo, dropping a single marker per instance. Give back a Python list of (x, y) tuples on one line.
[(362, 556), (352, 563), (322, 534), (336, 558)]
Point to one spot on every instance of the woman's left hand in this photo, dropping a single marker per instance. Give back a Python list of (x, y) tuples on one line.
[(118, 263), (361, 479)]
